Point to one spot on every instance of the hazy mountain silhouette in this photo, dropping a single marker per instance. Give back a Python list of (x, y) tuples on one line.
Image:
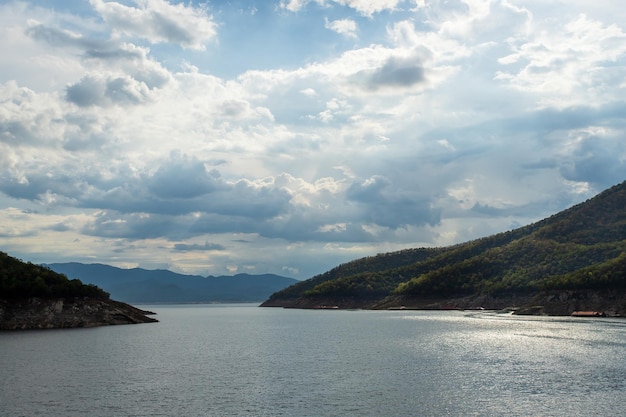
[(139, 285)]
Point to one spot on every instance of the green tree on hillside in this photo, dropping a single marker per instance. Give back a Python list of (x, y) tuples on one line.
[(20, 280)]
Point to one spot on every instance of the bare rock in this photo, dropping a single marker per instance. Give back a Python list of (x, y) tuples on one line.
[(39, 313)]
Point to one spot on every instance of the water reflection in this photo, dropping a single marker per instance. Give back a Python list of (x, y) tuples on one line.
[(242, 360)]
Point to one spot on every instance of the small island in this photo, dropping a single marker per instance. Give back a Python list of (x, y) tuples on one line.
[(35, 297)]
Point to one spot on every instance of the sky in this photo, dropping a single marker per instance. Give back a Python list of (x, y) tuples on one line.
[(290, 136)]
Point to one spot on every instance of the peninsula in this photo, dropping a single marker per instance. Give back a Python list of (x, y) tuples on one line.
[(35, 297)]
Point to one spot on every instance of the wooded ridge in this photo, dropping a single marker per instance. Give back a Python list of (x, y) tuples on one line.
[(579, 252)]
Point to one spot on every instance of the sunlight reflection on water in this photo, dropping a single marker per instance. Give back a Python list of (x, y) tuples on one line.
[(246, 361)]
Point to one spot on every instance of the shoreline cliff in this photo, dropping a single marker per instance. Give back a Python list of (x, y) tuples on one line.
[(59, 313)]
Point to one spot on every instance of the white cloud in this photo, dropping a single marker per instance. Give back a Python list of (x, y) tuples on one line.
[(159, 21), (363, 7), (310, 92), (293, 5), (569, 64), (369, 7), (346, 27)]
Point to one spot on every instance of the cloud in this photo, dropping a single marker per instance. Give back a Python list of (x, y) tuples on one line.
[(184, 247), (386, 207), (597, 157), (28, 118), (368, 190), (123, 60), (132, 226), (207, 194), (293, 5), (159, 21), (63, 38), (363, 7), (369, 7), (396, 72), (184, 177), (93, 90), (570, 57), (346, 27)]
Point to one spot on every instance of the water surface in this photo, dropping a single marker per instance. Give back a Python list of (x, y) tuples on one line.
[(240, 360)]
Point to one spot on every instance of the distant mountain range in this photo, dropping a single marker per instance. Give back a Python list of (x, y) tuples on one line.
[(139, 285), (573, 260)]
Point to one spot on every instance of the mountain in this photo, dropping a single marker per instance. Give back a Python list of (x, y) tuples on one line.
[(573, 260), (35, 297), (139, 285)]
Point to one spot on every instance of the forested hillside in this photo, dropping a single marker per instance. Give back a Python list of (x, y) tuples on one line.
[(20, 280), (35, 297), (581, 248)]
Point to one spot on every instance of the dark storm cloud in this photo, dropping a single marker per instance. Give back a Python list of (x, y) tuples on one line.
[(550, 119), (160, 205), (538, 123), (56, 37), (395, 73), (88, 92), (135, 59), (134, 226), (385, 206), (370, 202), (402, 211), (367, 190), (180, 186), (183, 177), (33, 186), (247, 200), (597, 161), (109, 53), (125, 91), (16, 133), (98, 91), (59, 227), (294, 226), (183, 247), (214, 223), (172, 30), (233, 200), (63, 39), (521, 210), (553, 139)]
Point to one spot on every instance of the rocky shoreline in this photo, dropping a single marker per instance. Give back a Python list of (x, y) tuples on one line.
[(551, 303), (39, 313)]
